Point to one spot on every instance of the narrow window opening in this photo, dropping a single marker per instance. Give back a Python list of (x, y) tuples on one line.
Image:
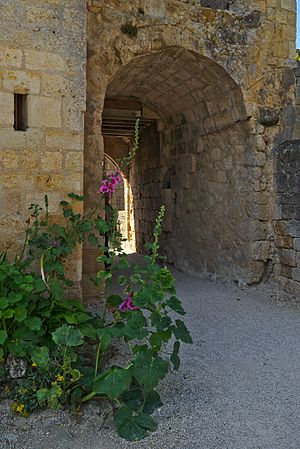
[(20, 111)]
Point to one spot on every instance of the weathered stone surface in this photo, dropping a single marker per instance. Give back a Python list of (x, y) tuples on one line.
[(218, 80)]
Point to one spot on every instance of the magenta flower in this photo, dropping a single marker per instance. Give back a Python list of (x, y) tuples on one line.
[(110, 183), (128, 304)]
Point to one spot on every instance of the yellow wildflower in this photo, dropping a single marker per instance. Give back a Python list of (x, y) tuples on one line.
[(60, 378), (34, 364)]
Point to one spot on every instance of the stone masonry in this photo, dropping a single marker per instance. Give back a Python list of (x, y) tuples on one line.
[(219, 77)]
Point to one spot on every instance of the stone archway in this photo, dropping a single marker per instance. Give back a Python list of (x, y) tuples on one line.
[(226, 154), (199, 143)]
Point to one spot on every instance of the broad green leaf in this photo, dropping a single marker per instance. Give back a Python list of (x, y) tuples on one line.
[(33, 323), (88, 330), (1, 354), (161, 323), (181, 333), (3, 337), (104, 336), (67, 336), (133, 427), (3, 303), (153, 401), (149, 370), (101, 226), (122, 280), (76, 197), (136, 326), (40, 356), (175, 304), (174, 357), (93, 240), (114, 382), (114, 300), (8, 313), (20, 314)]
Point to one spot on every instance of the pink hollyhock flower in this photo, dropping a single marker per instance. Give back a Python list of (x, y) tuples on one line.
[(128, 304), (104, 189)]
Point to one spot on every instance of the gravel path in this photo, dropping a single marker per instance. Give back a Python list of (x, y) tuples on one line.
[(238, 387)]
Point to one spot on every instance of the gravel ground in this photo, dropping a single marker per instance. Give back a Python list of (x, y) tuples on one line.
[(238, 386)]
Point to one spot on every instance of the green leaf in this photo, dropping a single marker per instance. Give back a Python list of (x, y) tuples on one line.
[(175, 304), (33, 323), (104, 336), (88, 330), (74, 196), (64, 203), (136, 279), (3, 303), (181, 332), (174, 357), (40, 356), (67, 336), (133, 427), (8, 313), (161, 323), (149, 370), (114, 382), (122, 280), (101, 226), (93, 240), (3, 337), (114, 300), (153, 401), (136, 326), (20, 314)]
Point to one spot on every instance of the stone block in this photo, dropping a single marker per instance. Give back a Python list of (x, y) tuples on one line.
[(296, 274), (32, 138), (74, 161), (6, 109), (289, 5), (52, 84), (288, 257), (30, 159), (44, 111), (10, 57), (39, 60), (21, 82), (64, 140), (281, 227), (294, 228), (287, 271), (297, 244), (20, 180), (9, 159), (52, 161), (260, 250), (284, 241), (50, 182)]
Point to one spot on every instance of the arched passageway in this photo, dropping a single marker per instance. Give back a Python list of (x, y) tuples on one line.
[(191, 158)]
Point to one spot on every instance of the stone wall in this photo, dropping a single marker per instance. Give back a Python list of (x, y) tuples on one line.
[(287, 218), (42, 54), (218, 74), (177, 57)]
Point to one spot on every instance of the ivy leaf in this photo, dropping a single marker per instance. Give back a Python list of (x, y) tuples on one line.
[(149, 370), (175, 304), (40, 356), (114, 382), (136, 326), (181, 333), (133, 427), (33, 323), (67, 336), (174, 357), (3, 337)]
